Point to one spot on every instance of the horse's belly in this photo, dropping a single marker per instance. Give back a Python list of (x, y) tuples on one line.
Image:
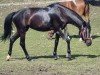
[(41, 28)]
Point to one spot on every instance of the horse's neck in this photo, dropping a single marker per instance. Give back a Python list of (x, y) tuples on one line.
[(74, 18)]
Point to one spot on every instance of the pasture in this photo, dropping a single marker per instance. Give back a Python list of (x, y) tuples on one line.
[(85, 60)]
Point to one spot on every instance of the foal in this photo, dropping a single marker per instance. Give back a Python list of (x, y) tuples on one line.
[(54, 17)]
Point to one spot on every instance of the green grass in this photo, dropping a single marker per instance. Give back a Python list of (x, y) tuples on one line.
[(86, 60)]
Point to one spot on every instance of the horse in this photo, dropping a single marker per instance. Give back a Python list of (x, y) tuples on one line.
[(53, 17), (81, 7)]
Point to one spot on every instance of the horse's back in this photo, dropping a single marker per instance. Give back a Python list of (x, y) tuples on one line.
[(33, 17)]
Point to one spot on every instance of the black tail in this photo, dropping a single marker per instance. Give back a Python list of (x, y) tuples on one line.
[(7, 26)]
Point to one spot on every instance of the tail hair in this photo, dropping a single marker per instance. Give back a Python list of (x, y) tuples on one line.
[(7, 27)]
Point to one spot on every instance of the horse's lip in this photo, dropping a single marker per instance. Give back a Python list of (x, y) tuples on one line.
[(88, 44)]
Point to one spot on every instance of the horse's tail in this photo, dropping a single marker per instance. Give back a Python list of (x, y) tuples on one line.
[(7, 26)]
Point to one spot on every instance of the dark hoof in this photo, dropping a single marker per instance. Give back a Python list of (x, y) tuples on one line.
[(28, 58), (56, 57)]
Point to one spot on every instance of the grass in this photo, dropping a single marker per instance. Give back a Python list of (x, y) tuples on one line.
[(86, 60)]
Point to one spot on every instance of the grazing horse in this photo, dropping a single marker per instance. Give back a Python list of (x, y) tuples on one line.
[(81, 7), (53, 17)]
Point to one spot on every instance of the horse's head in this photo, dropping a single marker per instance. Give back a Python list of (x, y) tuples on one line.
[(85, 35)]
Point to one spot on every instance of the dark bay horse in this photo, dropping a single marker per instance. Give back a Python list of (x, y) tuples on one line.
[(53, 17), (81, 7)]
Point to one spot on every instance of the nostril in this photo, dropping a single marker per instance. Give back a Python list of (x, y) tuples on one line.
[(88, 42)]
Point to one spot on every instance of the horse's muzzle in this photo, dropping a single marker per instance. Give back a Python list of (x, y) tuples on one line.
[(88, 42)]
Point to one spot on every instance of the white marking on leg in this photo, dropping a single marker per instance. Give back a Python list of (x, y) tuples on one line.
[(80, 39), (8, 57)]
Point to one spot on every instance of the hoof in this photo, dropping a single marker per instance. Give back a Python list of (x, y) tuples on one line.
[(56, 57), (28, 58), (8, 57)]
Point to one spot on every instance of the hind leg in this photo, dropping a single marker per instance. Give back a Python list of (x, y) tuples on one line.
[(12, 40), (22, 44)]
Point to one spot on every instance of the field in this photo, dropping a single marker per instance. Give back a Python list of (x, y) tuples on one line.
[(85, 60)]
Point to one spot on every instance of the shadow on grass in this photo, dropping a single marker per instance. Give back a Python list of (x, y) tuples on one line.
[(64, 56), (61, 56), (74, 36), (77, 36), (88, 56), (93, 36)]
